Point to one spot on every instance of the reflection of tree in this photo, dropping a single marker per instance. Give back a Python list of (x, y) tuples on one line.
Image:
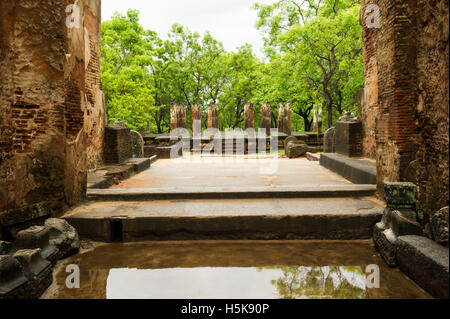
[(319, 282)]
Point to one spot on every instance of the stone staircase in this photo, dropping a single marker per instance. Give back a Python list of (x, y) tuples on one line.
[(258, 213)]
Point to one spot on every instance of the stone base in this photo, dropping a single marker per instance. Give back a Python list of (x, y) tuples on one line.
[(426, 262), (357, 171)]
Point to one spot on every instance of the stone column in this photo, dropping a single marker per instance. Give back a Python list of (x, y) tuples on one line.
[(213, 116), (317, 122), (284, 118), (266, 118), (249, 115), (196, 116), (177, 117)]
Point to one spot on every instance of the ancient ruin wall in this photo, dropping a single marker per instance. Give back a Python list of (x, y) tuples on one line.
[(368, 97), (432, 109), (96, 114), (43, 105), (406, 96)]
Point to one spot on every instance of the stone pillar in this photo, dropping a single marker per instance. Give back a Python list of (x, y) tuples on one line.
[(284, 118), (266, 118), (177, 117), (317, 126), (249, 115), (52, 115), (329, 141), (213, 116), (196, 116)]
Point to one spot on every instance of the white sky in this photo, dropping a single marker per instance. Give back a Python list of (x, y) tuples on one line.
[(231, 22)]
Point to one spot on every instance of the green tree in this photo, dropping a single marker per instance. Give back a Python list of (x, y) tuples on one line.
[(125, 57), (322, 40)]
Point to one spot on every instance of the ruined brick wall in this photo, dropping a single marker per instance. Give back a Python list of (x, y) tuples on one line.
[(368, 97), (409, 95), (430, 168), (43, 104), (96, 115)]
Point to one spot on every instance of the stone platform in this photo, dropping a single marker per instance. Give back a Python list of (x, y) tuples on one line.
[(358, 171)]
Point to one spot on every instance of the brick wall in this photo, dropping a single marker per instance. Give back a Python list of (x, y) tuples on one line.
[(406, 96), (43, 104), (368, 97)]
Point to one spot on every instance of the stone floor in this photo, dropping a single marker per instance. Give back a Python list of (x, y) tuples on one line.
[(235, 172)]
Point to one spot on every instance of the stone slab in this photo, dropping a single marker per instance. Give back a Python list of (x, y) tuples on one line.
[(358, 171), (426, 262), (229, 219)]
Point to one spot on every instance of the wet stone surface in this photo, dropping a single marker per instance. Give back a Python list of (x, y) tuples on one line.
[(224, 269)]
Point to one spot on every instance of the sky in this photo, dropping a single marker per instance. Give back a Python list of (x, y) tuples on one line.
[(231, 22)]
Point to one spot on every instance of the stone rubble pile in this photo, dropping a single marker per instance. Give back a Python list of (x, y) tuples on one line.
[(26, 264)]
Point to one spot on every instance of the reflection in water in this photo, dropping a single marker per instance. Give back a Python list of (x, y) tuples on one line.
[(332, 282), (237, 283)]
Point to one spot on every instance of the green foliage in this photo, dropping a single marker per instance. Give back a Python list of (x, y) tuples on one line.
[(314, 60), (318, 46)]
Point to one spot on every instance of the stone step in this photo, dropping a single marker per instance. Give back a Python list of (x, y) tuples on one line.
[(106, 176), (258, 219), (358, 171), (301, 191)]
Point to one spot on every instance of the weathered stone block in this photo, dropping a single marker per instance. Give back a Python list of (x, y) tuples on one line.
[(213, 116), (385, 241), (118, 146), (31, 262), (348, 136), (249, 116), (137, 144), (296, 150), (24, 214), (403, 222), (37, 270), (426, 262), (439, 226), (166, 152), (329, 141), (196, 119), (63, 236), (12, 279), (400, 195), (284, 118), (36, 237), (177, 117), (266, 118)]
